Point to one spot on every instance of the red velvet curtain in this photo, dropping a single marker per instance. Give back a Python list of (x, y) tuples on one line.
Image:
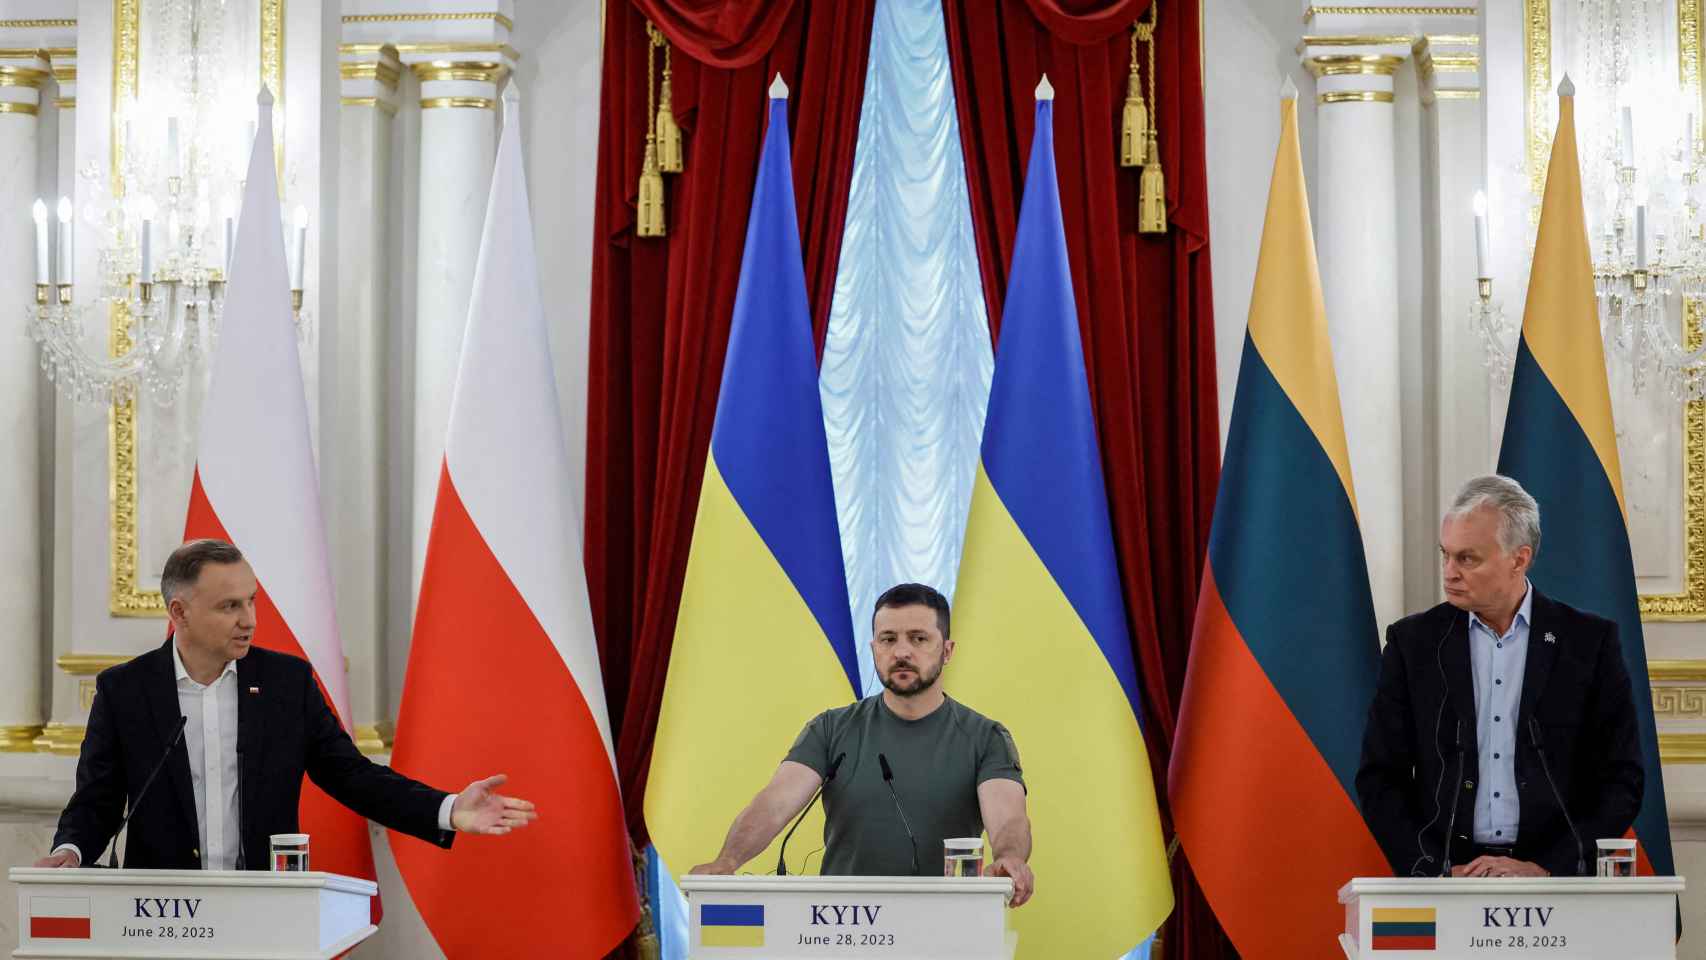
[(1143, 305), (661, 306)]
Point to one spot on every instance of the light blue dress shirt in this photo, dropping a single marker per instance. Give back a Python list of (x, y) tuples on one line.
[(1498, 663)]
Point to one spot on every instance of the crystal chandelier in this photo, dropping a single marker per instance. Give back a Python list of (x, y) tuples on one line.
[(162, 255)]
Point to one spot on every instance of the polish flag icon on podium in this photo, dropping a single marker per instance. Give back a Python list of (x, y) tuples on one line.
[(59, 918)]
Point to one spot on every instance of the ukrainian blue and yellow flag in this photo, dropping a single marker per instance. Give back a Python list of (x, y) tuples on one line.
[(1285, 652), (1560, 444), (1039, 619), (764, 639)]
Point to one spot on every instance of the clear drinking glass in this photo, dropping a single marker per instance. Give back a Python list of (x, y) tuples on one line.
[(1616, 857), (289, 852), (962, 857)]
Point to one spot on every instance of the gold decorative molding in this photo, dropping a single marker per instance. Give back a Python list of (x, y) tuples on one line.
[(1537, 70), (1690, 603), (1380, 40), (26, 109), (1688, 45), (22, 53), (1355, 96), (390, 109), (1682, 748), (272, 74), (19, 738), (65, 103), (358, 49), (1383, 11), (1343, 64), (89, 664), (35, 24), (438, 70), (469, 103), (493, 16), (61, 739), (125, 598), (375, 738), (64, 75), (376, 70), (60, 53), (1451, 95), (11, 76)]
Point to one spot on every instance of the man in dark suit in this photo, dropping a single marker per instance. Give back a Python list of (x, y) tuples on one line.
[(239, 726), (1510, 682)]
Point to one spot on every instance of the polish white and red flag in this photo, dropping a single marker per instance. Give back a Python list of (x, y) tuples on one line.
[(256, 485), (503, 672)]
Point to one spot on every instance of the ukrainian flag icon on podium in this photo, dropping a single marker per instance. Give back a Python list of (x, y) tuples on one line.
[(731, 925)]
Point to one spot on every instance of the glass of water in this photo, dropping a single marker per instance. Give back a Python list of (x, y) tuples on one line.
[(962, 857), (289, 852), (1616, 857)]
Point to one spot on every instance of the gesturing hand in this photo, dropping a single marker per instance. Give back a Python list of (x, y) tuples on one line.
[(478, 809)]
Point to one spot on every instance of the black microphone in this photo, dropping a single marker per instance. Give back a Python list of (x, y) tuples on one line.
[(1451, 827), (781, 861), (1439, 715), (1546, 768), (888, 778), (112, 859), (242, 861)]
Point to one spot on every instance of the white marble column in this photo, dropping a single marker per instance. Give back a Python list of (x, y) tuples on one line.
[(1357, 238), (1456, 381), (23, 75), (354, 360), (458, 142)]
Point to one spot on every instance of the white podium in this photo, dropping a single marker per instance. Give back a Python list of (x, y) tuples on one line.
[(920, 918), (93, 914), (1631, 918)]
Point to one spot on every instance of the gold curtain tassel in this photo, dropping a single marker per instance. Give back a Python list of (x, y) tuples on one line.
[(651, 221), (669, 132), (648, 218), (1134, 130), (1134, 121), (1152, 194)]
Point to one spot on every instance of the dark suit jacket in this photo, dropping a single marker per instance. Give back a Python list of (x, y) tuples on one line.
[(284, 729), (1576, 687)]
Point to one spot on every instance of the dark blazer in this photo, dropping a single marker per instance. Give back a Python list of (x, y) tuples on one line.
[(284, 729), (1575, 686)]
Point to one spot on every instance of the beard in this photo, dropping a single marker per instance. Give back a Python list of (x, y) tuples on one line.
[(922, 680)]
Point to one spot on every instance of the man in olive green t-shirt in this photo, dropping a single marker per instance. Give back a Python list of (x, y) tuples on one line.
[(954, 771)]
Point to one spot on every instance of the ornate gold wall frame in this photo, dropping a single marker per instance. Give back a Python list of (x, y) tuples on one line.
[(1690, 602), (126, 597)]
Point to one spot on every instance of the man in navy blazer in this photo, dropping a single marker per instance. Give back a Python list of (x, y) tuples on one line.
[(238, 727), (1486, 701)]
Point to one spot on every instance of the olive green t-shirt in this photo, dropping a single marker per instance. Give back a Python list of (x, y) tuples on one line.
[(938, 762)]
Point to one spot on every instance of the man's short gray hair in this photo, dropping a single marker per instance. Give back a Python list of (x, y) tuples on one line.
[(1519, 515), (183, 567)]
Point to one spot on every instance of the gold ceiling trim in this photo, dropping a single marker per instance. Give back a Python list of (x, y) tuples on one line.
[(65, 103), (439, 70), (1676, 671), (1363, 40), (358, 49), (376, 70), (89, 664), (1682, 748), (11, 76), (1344, 64), (1382, 11), (1355, 96), (470, 103), (36, 24), (493, 16), (389, 108), (26, 109)]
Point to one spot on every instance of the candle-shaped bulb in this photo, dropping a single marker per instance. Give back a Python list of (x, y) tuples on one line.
[(1628, 117), (64, 240), (301, 219), (145, 207), (174, 163), (1641, 236), (1480, 203), (64, 209), (38, 213), (145, 211), (1482, 240)]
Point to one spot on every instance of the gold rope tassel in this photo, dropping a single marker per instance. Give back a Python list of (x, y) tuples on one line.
[(1152, 188), (1152, 193), (649, 219), (1134, 126), (669, 133)]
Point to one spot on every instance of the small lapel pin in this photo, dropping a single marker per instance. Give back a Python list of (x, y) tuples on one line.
[(258, 689), (1549, 638)]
